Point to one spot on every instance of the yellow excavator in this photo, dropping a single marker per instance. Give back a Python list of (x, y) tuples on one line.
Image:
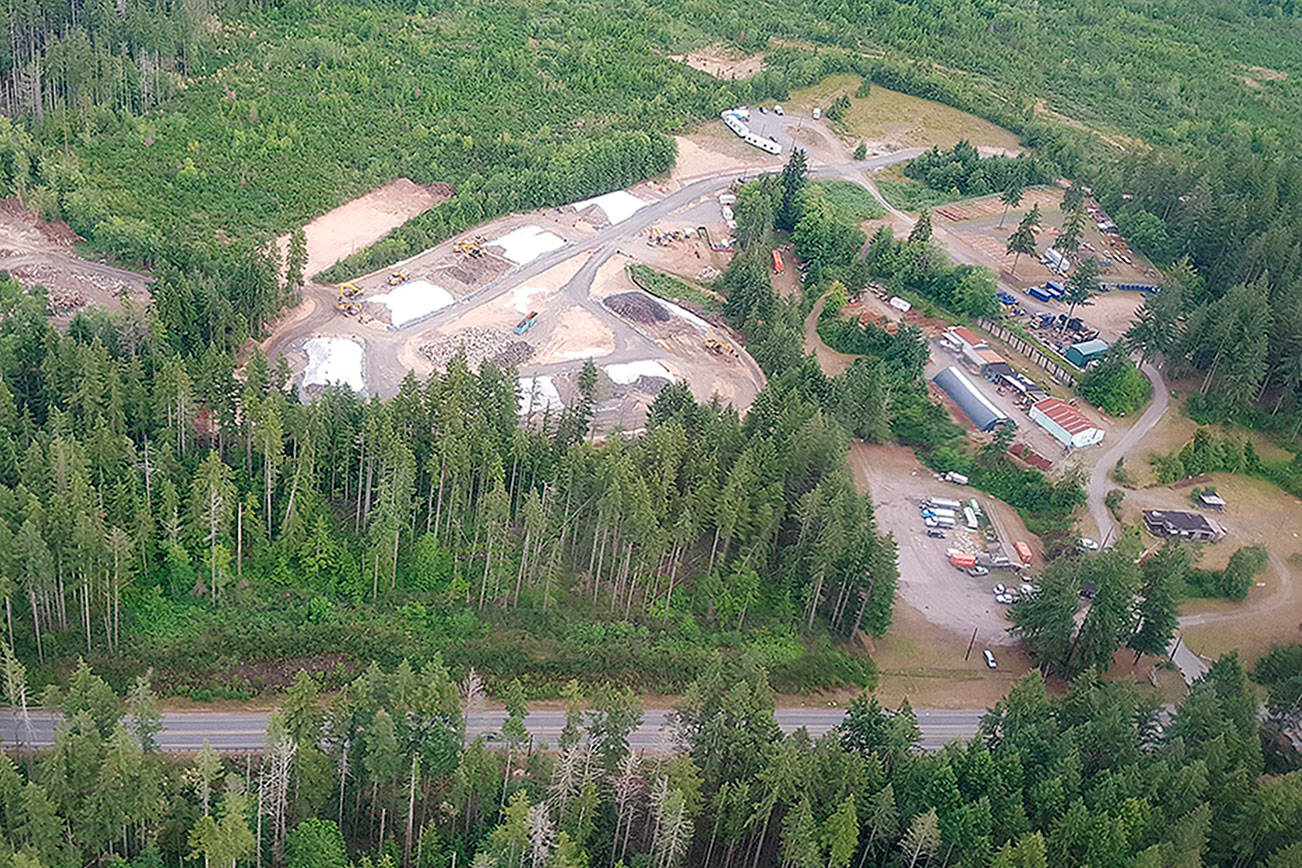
[(397, 277), (720, 348), (348, 308), (349, 290)]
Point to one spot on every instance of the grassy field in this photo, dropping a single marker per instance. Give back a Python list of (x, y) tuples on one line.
[(853, 201), (910, 195), (899, 118)]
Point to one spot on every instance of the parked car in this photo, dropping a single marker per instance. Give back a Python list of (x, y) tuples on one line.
[(977, 572), (990, 659), (1088, 544), (492, 735), (999, 589), (936, 534)]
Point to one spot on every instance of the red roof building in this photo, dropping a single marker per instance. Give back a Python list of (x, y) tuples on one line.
[(1068, 425)]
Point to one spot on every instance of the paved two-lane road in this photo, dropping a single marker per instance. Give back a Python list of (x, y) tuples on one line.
[(245, 730)]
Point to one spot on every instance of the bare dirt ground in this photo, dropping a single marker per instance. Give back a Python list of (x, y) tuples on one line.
[(713, 148), (1257, 512), (36, 252), (363, 221), (918, 662), (722, 61)]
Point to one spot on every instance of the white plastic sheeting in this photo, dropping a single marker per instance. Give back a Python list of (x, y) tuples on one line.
[(527, 243), (625, 373), (334, 360), (538, 394), (618, 205), (413, 300)]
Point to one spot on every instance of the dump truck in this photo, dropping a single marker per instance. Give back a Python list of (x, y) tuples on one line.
[(527, 323), (397, 277), (720, 348), (777, 261), (348, 308)]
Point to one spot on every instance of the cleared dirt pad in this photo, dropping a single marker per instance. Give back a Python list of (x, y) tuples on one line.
[(365, 220), (579, 335), (36, 252), (723, 62)]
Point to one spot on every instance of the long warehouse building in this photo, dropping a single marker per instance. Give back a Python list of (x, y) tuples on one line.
[(963, 392)]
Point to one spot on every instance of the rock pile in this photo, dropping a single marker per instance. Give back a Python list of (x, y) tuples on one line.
[(478, 343)]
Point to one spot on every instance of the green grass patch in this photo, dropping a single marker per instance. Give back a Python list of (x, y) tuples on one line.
[(909, 195), (673, 289), (853, 202)]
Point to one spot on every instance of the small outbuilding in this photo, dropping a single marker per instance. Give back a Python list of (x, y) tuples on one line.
[(1212, 500), (1083, 353), (976, 406), (1068, 425)]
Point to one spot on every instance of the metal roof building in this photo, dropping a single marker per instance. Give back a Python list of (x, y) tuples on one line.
[(1067, 424), (1083, 353), (976, 406)]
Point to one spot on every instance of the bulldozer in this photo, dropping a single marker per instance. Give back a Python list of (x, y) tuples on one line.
[(397, 277), (349, 290), (720, 348), (348, 308)]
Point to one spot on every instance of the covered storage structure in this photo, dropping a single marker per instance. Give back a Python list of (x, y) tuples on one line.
[(976, 406), (1067, 424), (1083, 353)]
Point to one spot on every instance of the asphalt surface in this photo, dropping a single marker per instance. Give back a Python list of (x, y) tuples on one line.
[(235, 732)]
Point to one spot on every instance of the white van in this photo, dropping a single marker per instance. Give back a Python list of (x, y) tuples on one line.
[(777, 110)]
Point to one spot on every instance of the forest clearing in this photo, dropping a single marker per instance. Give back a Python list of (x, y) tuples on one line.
[(508, 462)]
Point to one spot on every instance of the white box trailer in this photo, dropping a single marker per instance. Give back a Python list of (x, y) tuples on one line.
[(944, 502), (970, 518), (945, 522), (942, 512)]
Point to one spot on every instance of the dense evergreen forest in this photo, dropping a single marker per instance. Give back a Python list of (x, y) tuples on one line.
[(160, 514), (1100, 776)]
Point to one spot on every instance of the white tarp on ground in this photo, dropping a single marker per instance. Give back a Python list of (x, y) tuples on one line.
[(527, 243), (625, 373), (334, 360), (413, 300), (521, 294), (618, 206), (537, 394)]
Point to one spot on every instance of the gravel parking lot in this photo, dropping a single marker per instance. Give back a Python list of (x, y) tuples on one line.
[(946, 596)]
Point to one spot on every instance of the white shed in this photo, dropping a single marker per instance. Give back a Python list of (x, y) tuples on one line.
[(1067, 424)]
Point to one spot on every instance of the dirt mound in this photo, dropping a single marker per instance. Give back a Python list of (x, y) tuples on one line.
[(637, 307), (514, 354)]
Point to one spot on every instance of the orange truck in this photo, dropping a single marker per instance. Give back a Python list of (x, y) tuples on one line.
[(777, 261), (962, 560), (1023, 552)]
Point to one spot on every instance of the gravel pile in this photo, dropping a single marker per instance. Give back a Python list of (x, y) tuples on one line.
[(514, 354), (479, 344), (637, 307)]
